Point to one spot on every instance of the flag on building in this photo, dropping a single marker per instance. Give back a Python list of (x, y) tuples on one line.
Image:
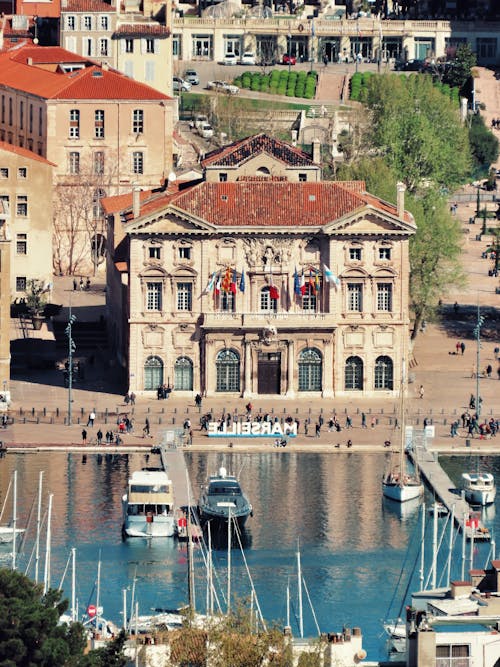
[(312, 283), (217, 285), (242, 281), (296, 282), (226, 281), (330, 277), (303, 286), (274, 292), (210, 284), (317, 282), (234, 282)]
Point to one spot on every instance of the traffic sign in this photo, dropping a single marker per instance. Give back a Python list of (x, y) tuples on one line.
[(91, 610)]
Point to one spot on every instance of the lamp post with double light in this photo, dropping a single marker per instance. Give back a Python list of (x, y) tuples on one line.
[(289, 38), (71, 349)]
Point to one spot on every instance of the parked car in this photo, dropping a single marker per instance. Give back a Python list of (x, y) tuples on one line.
[(412, 65), (192, 77), (289, 60), (230, 59), (223, 87), (206, 131), (248, 58), (181, 84), (199, 120)]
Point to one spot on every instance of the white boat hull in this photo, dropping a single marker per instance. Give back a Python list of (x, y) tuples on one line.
[(479, 488), (402, 493), (477, 497), (138, 526), (7, 534)]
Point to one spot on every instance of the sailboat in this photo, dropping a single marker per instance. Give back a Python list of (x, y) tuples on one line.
[(399, 483), (8, 532)]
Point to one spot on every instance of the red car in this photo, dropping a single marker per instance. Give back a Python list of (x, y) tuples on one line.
[(289, 60)]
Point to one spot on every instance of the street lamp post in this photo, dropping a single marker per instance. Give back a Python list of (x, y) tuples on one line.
[(477, 333), (289, 50), (71, 349)]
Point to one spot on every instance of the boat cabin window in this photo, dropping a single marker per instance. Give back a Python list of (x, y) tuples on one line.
[(224, 489), (138, 510), (144, 488)]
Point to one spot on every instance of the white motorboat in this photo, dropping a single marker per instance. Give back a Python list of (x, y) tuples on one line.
[(479, 488), (7, 534), (148, 505), (399, 483)]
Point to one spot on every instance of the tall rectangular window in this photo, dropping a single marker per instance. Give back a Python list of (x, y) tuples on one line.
[(384, 296), (227, 302), (355, 254), (74, 124), (103, 47), (74, 163), (3, 108), (21, 115), (104, 23), (184, 296), (22, 244), (87, 23), (138, 162), (309, 300), (99, 124), (71, 23), (354, 297), (31, 119), (150, 45), (129, 46), (88, 46), (153, 296), (150, 71), (40, 122), (138, 121), (384, 253), (4, 172), (99, 163), (22, 172), (154, 252), (22, 206), (21, 283), (11, 120)]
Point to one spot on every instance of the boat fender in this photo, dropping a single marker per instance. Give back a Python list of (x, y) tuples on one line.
[(360, 655), (300, 28), (149, 517)]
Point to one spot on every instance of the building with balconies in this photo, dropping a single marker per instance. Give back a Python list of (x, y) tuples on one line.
[(264, 284)]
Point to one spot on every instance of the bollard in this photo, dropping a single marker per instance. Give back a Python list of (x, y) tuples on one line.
[(45, 412), (390, 421), (444, 422), (163, 411), (78, 420), (51, 420), (357, 411), (81, 411), (175, 411), (57, 412), (382, 411), (149, 409), (24, 420), (32, 412), (106, 412), (296, 411), (106, 419), (173, 420), (20, 412), (159, 420)]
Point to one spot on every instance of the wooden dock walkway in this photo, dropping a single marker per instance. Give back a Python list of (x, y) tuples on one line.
[(445, 491)]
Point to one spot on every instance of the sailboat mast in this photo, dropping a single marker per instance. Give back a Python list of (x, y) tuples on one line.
[(422, 550), (14, 520), (402, 418), (299, 582), (288, 603), (477, 331), (229, 561), (191, 591), (450, 547), (434, 546), (73, 585), (46, 576), (98, 594), (38, 525)]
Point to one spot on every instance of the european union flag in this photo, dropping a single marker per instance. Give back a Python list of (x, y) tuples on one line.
[(296, 283), (242, 281)]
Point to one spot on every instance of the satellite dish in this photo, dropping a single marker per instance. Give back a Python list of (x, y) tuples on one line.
[(172, 177)]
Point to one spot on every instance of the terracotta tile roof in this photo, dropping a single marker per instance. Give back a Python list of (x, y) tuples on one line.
[(91, 82), (23, 152), (139, 29), (122, 202), (87, 6), (240, 151)]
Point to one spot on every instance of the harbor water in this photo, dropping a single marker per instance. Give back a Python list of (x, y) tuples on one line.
[(357, 550)]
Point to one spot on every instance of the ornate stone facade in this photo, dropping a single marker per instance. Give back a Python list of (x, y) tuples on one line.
[(262, 287)]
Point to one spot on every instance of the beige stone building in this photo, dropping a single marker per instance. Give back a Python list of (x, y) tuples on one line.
[(26, 196), (268, 284), (124, 36), (5, 243), (102, 130)]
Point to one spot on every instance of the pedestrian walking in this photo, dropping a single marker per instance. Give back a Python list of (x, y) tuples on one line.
[(348, 422), (197, 400), (306, 427), (145, 430), (373, 422), (84, 437), (489, 370), (75, 285), (91, 419), (81, 284), (126, 399), (99, 437), (318, 429), (132, 398), (363, 420), (462, 346), (87, 284), (457, 347), (421, 391)]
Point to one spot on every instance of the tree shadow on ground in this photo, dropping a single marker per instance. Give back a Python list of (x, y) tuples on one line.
[(460, 322)]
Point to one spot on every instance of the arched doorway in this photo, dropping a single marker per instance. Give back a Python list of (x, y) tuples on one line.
[(153, 373), (227, 364), (183, 373)]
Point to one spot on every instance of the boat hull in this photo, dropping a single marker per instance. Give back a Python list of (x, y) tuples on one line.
[(7, 534), (222, 517), (161, 526), (477, 497), (403, 493)]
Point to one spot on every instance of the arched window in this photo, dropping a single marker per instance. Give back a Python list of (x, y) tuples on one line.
[(228, 371), (263, 171), (354, 373), (384, 376), (266, 303), (153, 373), (183, 372), (310, 370)]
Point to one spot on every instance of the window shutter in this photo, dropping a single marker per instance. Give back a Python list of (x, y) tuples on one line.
[(123, 44)]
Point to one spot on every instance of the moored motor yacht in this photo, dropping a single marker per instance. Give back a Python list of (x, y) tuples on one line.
[(223, 498), (479, 488), (148, 505)]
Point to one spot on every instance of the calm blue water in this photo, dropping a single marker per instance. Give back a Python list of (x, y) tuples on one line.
[(353, 544)]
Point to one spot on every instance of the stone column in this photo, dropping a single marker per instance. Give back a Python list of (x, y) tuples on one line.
[(290, 385), (328, 368), (247, 389)]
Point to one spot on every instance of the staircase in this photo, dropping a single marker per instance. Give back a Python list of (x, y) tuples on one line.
[(87, 335)]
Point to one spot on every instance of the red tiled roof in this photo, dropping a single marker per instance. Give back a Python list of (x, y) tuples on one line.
[(23, 152), (240, 151), (87, 6), (122, 202), (138, 29), (91, 82)]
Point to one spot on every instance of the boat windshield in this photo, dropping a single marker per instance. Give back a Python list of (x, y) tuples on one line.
[(140, 509), (224, 488), (148, 488)]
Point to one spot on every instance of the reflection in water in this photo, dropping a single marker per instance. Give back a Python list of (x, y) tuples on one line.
[(352, 544), (403, 511)]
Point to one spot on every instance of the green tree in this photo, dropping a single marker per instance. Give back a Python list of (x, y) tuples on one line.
[(435, 252), (110, 655), (460, 70), (418, 130), (30, 633), (484, 145)]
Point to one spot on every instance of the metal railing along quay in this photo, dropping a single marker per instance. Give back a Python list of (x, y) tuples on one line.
[(444, 491)]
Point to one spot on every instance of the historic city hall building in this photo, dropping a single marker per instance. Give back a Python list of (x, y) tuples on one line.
[(261, 279)]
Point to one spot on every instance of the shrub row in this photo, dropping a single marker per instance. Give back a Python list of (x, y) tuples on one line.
[(360, 80), (280, 82)]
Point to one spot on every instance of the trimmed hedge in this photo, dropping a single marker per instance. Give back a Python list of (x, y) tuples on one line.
[(359, 81), (280, 82)]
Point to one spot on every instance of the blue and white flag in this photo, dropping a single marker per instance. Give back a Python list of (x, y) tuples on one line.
[(210, 284), (330, 277)]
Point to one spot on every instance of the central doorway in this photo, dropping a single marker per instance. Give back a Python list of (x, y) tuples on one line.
[(269, 373)]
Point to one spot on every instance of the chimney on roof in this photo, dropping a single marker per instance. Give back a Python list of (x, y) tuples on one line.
[(105, 66), (316, 150), (136, 201), (30, 61), (401, 187)]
